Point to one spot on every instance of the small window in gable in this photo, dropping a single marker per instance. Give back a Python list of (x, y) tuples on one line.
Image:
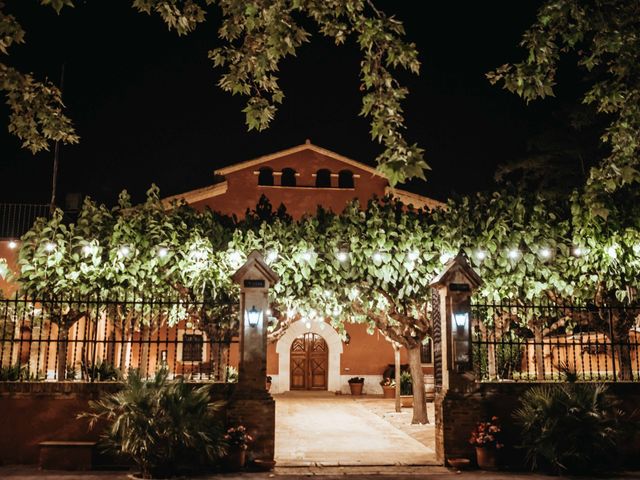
[(265, 177), (345, 179), (192, 348), (323, 178), (288, 177)]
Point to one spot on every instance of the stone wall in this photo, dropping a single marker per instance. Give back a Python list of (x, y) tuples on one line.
[(457, 414), (34, 412)]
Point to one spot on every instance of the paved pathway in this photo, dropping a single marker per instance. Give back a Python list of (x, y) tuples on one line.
[(323, 429)]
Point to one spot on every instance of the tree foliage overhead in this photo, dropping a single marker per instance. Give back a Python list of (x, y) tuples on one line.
[(603, 36), (257, 36)]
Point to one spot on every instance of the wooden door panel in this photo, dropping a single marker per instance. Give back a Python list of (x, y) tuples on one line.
[(309, 362)]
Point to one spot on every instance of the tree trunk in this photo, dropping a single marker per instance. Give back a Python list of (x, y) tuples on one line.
[(417, 380), (625, 365), (63, 343), (396, 359), (538, 351)]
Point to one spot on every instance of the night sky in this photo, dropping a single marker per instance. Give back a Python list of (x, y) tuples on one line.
[(146, 104)]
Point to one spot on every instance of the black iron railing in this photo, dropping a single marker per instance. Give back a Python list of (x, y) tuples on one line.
[(98, 340), (17, 218), (547, 341)]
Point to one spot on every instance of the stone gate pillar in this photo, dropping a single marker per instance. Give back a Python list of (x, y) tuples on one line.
[(455, 412), (250, 404)]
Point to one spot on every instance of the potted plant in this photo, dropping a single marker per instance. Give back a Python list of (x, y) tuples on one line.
[(406, 390), (486, 438), (268, 383), (238, 440), (388, 388), (356, 384)]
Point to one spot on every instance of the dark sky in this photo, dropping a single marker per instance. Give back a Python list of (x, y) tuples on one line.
[(147, 108)]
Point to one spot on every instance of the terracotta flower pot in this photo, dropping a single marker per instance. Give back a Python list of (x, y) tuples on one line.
[(388, 391), (406, 400), (235, 459), (486, 457), (356, 388)]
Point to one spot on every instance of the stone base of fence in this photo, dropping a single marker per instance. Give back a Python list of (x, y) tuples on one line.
[(35, 412), (256, 410), (457, 414)]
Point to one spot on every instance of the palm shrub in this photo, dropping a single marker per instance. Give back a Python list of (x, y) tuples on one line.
[(160, 424), (570, 427)]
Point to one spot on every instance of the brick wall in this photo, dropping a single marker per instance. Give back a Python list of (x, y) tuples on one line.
[(457, 414), (33, 412)]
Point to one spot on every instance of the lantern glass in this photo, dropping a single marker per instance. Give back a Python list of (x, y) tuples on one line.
[(461, 319), (253, 314)]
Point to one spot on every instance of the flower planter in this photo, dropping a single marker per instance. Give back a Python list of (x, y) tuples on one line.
[(406, 400), (486, 457), (388, 391), (235, 459), (356, 388)]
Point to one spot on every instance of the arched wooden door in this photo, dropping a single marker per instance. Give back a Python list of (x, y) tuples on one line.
[(309, 362)]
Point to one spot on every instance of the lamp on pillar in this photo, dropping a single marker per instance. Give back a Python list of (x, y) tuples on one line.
[(250, 404), (461, 339), (254, 315)]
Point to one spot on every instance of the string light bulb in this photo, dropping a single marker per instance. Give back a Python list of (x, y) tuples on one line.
[(87, 250), (577, 251), (49, 246), (12, 244), (481, 255), (445, 257), (377, 257), (342, 256), (272, 256), (163, 252), (124, 251), (612, 251), (545, 252), (514, 254)]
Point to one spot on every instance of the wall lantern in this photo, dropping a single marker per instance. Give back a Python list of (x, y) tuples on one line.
[(253, 314), (461, 338)]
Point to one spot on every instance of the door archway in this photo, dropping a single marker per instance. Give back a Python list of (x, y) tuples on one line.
[(283, 349), (309, 363)]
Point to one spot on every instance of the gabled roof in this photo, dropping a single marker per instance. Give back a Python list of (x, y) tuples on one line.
[(296, 149), (255, 260), (458, 264), (198, 194)]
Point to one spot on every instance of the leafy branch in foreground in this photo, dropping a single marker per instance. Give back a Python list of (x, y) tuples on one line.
[(603, 35), (257, 36)]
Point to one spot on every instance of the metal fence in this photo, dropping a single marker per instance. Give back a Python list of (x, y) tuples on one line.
[(547, 341), (98, 340), (17, 218)]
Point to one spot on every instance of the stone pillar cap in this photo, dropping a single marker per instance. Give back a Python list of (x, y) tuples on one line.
[(255, 260), (458, 265)]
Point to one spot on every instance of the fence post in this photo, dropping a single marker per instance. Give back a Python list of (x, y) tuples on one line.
[(250, 404), (454, 285)]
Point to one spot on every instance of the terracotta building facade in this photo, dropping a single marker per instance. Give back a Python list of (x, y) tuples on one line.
[(311, 356)]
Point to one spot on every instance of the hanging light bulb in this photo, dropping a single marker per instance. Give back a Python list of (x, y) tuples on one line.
[(124, 251), (163, 252), (272, 256), (235, 257), (445, 257), (87, 249), (308, 325), (377, 257), (577, 251), (514, 254), (342, 256), (545, 252), (12, 244), (481, 255), (49, 246)]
